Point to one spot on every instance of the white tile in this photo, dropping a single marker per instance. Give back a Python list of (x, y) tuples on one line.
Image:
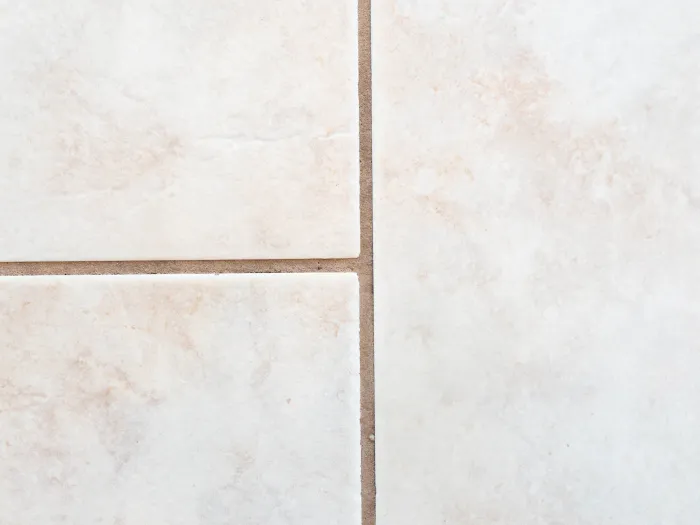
[(166, 129), (537, 212), (179, 399)]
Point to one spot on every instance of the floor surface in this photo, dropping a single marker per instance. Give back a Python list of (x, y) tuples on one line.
[(319, 261)]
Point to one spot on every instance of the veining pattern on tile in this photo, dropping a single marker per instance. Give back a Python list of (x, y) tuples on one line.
[(163, 129), (179, 399), (537, 241)]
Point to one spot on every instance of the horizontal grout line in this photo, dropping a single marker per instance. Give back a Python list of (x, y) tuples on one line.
[(155, 267)]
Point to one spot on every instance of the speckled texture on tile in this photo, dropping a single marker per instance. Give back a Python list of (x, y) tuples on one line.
[(537, 242), (179, 399), (164, 129)]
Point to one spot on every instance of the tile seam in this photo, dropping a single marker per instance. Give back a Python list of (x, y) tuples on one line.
[(365, 266), (178, 266)]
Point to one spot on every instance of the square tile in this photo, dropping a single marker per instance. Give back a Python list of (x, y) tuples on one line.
[(179, 399), (165, 129), (537, 245)]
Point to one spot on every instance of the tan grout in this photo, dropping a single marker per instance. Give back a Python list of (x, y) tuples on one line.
[(366, 266), (363, 266), (154, 267)]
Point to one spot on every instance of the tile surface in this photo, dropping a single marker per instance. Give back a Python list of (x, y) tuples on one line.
[(164, 129), (179, 399), (537, 245)]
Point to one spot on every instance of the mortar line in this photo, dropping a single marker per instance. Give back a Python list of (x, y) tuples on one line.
[(366, 266), (179, 266)]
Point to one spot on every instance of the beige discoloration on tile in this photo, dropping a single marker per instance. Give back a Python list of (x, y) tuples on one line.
[(537, 299), (143, 131), (179, 399)]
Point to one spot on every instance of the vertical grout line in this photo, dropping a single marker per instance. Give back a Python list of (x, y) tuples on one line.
[(366, 265)]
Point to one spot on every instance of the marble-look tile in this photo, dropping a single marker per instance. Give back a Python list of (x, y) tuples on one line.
[(186, 400), (537, 212), (166, 129)]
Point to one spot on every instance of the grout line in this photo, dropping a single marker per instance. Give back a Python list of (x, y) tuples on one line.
[(366, 265), (154, 267)]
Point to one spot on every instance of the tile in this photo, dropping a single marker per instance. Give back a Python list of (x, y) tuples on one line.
[(179, 399), (166, 129), (537, 244)]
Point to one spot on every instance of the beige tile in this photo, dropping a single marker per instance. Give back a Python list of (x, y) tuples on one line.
[(179, 399), (537, 241), (165, 129)]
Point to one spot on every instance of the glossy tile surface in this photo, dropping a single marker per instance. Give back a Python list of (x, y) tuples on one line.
[(179, 399), (537, 242), (164, 129)]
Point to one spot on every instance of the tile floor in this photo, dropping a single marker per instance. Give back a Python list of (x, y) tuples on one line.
[(187, 306), (185, 314), (537, 181), (179, 399), (162, 129)]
